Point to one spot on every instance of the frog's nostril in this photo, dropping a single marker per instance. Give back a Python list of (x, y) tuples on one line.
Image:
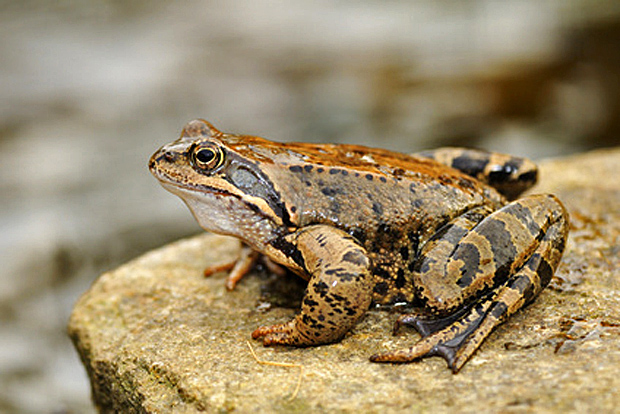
[(168, 156), (162, 157), (165, 155)]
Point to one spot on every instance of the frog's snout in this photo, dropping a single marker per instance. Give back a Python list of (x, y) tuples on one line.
[(162, 156)]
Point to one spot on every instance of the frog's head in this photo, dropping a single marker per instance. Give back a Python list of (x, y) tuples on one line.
[(224, 188)]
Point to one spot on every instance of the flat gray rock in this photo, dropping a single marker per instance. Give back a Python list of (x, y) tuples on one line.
[(156, 336)]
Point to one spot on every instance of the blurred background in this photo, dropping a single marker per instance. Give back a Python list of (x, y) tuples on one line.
[(89, 89)]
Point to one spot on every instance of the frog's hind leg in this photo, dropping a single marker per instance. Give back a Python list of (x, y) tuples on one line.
[(515, 282), (508, 174)]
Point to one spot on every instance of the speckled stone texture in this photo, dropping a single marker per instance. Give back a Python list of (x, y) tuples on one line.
[(155, 336)]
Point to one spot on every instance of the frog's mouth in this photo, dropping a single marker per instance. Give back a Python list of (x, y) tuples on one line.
[(199, 191), (219, 210)]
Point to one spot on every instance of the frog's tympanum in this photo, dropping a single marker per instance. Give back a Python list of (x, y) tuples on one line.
[(436, 231)]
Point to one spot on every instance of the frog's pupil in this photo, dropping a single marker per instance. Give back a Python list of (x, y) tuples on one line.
[(205, 156)]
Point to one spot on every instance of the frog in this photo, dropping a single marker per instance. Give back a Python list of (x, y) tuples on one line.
[(445, 235)]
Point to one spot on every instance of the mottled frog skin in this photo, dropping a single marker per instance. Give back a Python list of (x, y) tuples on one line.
[(434, 231)]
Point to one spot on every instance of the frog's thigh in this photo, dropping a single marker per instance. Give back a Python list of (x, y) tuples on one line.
[(339, 290), (486, 256), (459, 341)]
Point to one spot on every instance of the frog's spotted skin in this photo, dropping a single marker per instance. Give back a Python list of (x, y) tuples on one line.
[(372, 226)]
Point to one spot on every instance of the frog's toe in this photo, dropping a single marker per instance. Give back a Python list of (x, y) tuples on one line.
[(263, 331), (418, 351), (237, 268), (424, 348), (279, 338), (280, 334)]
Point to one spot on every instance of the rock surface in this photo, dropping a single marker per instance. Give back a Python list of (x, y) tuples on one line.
[(155, 336)]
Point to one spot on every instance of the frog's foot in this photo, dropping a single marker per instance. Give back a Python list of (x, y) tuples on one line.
[(449, 338), (238, 268), (243, 265), (282, 334), (457, 341)]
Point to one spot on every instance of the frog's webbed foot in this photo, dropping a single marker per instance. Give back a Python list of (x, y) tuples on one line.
[(425, 324), (339, 290), (447, 337), (243, 265)]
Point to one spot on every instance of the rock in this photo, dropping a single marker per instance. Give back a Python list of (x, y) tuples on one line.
[(156, 336)]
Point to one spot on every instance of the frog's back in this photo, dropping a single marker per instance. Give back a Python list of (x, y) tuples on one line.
[(365, 190)]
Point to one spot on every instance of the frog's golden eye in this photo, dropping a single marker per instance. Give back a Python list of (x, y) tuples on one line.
[(208, 157)]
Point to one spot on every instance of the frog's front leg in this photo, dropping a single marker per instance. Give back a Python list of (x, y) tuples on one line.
[(491, 270), (243, 265), (339, 289)]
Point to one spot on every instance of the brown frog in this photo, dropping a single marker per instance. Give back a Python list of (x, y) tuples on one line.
[(363, 226)]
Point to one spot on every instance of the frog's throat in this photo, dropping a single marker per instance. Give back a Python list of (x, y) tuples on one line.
[(228, 214)]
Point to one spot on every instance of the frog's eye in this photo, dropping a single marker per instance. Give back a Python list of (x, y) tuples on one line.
[(208, 157)]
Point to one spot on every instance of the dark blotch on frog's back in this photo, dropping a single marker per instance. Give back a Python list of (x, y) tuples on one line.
[(377, 208), (400, 281), (332, 191), (404, 253), (466, 182)]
